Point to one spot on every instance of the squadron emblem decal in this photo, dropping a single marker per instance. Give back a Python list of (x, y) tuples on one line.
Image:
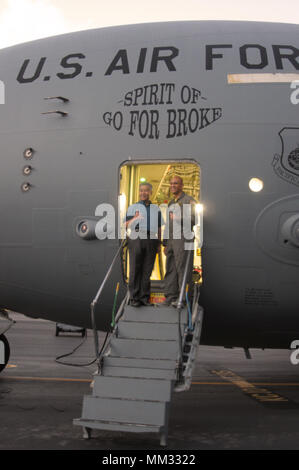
[(286, 165)]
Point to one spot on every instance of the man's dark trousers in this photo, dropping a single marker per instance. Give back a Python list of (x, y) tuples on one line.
[(142, 254)]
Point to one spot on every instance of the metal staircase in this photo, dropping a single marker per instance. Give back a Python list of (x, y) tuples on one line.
[(151, 353)]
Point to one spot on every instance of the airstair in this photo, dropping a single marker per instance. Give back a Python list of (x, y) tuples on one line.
[(150, 354)]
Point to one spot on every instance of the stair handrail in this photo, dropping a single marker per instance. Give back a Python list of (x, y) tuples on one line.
[(120, 311), (107, 341), (184, 283), (97, 296), (179, 308)]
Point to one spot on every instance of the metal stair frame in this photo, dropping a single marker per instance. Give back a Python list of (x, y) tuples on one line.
[(129, 362)]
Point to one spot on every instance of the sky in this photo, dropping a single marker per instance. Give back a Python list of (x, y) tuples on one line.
[(26, 20)]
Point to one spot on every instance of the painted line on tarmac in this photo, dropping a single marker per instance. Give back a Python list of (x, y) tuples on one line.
[(45, 379), (231, 383), (261, 384), (261, 395)]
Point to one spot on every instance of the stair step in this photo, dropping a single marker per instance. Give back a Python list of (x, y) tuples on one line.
[(151, 314), (166, 364), (116, 426), (144, 330), (123, 410), (138, 348), (132, 388), (163, 374)]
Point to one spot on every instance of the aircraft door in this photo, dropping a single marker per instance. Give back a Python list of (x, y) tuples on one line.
[(159, 174)]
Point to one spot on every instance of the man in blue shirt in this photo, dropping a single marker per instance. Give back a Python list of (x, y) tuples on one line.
[(143, 221)]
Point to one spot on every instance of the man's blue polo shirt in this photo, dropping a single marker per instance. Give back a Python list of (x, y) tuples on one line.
[(152, 218)]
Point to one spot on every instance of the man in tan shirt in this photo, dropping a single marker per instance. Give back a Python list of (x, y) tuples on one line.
[(176, 243)]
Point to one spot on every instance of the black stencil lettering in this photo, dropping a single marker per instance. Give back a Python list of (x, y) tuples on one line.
[(141, 61), (292, 56), (263, 56), (204, 117), (77, 67), (182, 127), (168, 59), (128, 98), (171, 124), (121, 57), (217, 113), (154, 134), (22, 79), (153, 94), (210, 56)]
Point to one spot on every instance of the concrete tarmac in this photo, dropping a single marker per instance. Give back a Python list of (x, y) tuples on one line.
[(234, 403)]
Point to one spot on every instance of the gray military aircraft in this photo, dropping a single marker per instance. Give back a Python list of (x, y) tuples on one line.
[(86, 116)]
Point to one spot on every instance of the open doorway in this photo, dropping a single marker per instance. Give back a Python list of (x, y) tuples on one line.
[(159, 174)]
